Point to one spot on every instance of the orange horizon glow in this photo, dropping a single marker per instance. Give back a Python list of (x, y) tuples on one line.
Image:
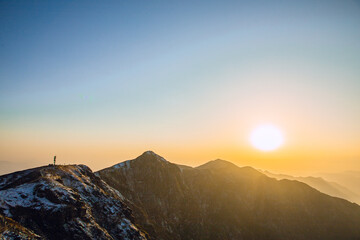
[(189, 83), (295, 157)]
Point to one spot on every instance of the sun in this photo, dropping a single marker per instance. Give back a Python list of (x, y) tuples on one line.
[(266, 137)]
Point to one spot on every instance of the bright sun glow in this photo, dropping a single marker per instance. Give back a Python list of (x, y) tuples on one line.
[(266, 138)]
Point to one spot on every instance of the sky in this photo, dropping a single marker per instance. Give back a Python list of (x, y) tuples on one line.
[(100, 82)]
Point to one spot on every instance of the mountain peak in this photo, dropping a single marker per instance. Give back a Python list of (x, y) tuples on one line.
[(216, 164), (150, 155), (149, 152), (145, 156)]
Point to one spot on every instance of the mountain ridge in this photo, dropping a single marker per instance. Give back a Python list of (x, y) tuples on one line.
[(151, 198), (66, 202), (217, 202)]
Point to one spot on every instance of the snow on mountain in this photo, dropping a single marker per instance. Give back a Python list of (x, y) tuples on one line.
[(66, 202), (148, 156)]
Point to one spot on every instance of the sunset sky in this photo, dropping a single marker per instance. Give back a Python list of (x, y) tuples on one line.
[(99, 82)]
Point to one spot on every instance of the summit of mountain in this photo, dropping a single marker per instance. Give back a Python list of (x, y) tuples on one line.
[(219, 200)]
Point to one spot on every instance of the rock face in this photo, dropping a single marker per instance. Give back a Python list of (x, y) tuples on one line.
[(66, 202), (9, 229), (219, 200)]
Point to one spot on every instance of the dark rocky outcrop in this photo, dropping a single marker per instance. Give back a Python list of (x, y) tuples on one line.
[(66, 202), (9, 229)]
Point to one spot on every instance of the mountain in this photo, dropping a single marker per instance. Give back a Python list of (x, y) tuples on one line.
[(330, 188), (63, 202), (219, 200), (349, 179)]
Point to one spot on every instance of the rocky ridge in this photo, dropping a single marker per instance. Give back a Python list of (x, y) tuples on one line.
[(66, 202)]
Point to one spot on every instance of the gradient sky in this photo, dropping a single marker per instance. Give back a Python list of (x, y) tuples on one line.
[(99, 82)]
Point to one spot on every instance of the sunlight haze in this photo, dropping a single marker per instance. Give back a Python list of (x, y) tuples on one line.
[(190, 81)]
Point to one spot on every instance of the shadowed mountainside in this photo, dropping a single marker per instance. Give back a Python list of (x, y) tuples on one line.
[(9, 229), (219, 200)]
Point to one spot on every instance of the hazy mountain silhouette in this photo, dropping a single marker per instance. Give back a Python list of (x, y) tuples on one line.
[(219, 200), (330, 188), (349, 179)]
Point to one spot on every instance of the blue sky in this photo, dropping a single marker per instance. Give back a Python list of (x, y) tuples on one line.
[(148, 71)]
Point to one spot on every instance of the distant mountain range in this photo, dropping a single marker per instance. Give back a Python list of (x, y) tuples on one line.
[(349, 179), (151, 198), (330, 188)]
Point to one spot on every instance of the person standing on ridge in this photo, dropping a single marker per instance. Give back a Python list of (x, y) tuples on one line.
[(54, 160)]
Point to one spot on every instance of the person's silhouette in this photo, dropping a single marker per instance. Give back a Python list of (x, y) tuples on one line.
[(54, 160)]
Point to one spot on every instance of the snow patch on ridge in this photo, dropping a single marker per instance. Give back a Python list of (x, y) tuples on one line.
[(125, 165)]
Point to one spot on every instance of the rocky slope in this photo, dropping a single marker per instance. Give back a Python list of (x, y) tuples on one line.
[(9, 229), (222, 201), (64, 202)]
